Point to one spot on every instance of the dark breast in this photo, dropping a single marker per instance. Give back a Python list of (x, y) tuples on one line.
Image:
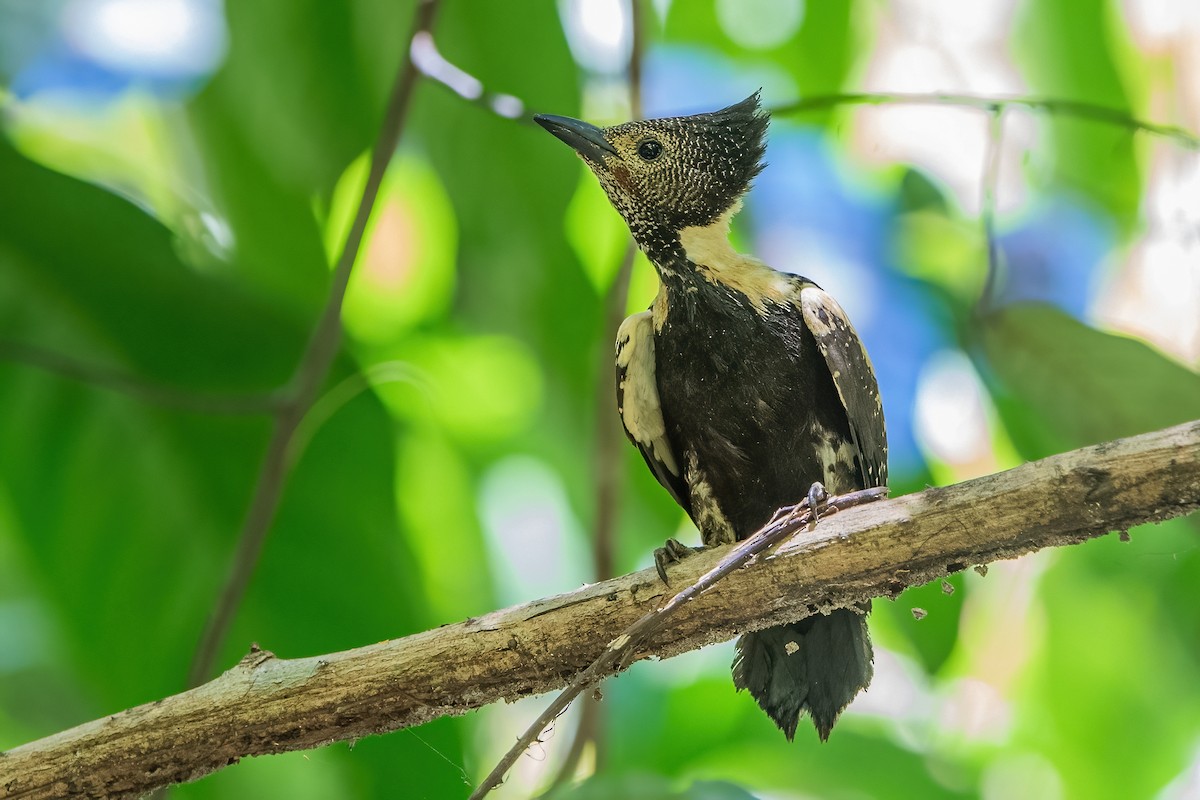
[(749, 401)]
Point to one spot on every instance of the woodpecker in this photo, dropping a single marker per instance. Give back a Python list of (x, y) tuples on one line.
[(742, 386)]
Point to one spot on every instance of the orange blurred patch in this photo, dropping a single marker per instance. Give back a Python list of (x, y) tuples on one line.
[(392, 253)]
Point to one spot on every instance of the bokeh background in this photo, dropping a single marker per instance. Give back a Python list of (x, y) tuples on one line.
[(176, 177)]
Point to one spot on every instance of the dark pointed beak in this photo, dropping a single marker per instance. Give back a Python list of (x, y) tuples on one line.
[(585, 138)]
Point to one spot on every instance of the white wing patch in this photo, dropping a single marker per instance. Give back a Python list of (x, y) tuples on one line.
[(640, 408)]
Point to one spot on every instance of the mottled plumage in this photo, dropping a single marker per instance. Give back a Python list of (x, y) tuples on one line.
[(741, 386)]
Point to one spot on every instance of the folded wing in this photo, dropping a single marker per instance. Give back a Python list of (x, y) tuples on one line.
[(639, 405), (853, 377)]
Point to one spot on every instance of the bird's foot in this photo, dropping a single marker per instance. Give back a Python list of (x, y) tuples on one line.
[(816, 498), (671, 552)]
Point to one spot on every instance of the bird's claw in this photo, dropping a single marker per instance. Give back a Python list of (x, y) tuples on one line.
[(816, 498), (671, 552)]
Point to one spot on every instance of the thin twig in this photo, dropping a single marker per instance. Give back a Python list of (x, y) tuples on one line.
[(620, 651), (1053, 105), (478, 95), (433, 65), (159, 394), (312, 370), (987, 203), (637, 57), (609, 440)]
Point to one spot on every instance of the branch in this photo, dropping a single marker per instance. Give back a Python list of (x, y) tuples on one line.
[(618, 655), (994, 105), (161, 394), (433, 65), (311, 371), (471, 89), (269, 705)]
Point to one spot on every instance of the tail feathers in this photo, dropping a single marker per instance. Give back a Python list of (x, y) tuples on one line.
[(816, 665)]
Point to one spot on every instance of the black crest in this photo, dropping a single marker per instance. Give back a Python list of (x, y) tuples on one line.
[(744, 125)]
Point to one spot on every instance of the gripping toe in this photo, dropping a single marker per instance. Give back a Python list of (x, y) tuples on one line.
[(671, 552)]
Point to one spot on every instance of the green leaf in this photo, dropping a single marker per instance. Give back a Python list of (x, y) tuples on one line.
[(127, 514), (117, 505), (1060, 384), (1074, 50), (597, 233), (93, 275), (404, 274)]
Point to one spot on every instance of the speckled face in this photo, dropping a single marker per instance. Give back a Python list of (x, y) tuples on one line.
[(677, 172)]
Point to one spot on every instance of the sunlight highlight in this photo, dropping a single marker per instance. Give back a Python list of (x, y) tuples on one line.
[(599, 33), (163, 37), (760, 24)]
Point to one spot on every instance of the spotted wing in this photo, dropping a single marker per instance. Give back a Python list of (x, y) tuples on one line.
[(853, 377), (639, 406)]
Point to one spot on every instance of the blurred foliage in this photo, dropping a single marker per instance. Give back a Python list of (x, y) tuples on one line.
[(1088, 43), (449, 466), (1085, 386)]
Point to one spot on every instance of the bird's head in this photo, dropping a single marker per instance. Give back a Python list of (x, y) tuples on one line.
[(665, 175)]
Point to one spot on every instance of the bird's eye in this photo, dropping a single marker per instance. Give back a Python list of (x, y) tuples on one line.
[(649, 150)]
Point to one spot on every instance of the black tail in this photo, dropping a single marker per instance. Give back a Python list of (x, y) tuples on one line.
[(816, 665)]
